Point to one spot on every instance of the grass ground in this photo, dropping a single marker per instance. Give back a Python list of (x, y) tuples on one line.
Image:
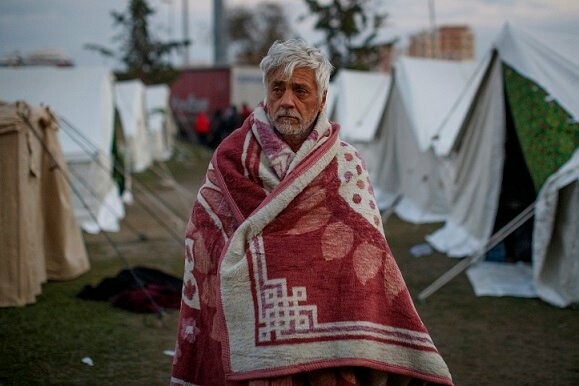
[(485, 341)]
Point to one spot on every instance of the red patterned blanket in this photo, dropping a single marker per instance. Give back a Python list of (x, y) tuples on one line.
[(288, 270)]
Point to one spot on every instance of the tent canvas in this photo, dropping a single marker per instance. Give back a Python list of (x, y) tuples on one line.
[(40, 237), (556, 237), (408, 176), (473, 174), (131, 104), (361, 96), (162, 126), (356, 100), (430, 90), (521, 129), (83, 100), (552, 275)]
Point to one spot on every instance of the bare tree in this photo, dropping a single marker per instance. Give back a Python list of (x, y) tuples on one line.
[(349, 27), (138, 51), (253, 30)]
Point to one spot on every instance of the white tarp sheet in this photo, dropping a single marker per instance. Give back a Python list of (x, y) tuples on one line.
[(553, 275), (502, 279), (331, 96), (246, 86), (475, 171)]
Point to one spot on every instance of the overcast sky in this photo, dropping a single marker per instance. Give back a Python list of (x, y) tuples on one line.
[(66, 25)]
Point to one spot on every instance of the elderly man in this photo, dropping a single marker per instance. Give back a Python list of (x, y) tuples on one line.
[(288, 277)]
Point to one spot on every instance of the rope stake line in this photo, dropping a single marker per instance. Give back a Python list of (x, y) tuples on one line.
[(55, 166), (495, 239), (137, 184), (87, 146)]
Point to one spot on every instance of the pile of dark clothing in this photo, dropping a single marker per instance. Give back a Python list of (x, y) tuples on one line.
[(139, 289)]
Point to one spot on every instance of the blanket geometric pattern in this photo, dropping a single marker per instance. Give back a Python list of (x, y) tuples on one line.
[(288, 270)]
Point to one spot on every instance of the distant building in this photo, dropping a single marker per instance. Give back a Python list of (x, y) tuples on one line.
[(210, 89), (456, 43), (379, 57), (446, 42), (422, 45), (11, 59), (386, 54)]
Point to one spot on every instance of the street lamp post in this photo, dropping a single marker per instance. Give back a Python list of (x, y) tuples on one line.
[(185, 4), (433, 40), (219, 33)]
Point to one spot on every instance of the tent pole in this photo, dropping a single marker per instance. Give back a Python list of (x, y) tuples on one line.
[(495, 239)]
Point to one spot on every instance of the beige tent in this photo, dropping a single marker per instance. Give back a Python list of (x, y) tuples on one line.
[(82, 98), (39, 238)]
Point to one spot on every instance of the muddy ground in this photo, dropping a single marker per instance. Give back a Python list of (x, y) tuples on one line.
[(484, 340)]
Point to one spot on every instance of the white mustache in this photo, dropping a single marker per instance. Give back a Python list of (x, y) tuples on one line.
[(287, 113)]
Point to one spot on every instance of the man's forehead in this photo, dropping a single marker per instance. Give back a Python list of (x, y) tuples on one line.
[(299, 74)]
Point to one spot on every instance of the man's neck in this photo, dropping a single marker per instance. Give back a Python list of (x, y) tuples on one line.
[(294, 141)]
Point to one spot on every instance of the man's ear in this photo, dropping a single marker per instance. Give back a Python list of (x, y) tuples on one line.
[(323, 104)]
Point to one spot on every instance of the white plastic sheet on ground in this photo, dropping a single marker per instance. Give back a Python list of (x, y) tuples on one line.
[(502, 279)]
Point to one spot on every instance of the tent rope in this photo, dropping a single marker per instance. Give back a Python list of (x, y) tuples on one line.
[(56, 166), (137, 184), (93, 154), (162, 171)]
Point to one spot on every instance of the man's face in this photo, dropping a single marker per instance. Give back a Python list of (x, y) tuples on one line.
[(293, 104)]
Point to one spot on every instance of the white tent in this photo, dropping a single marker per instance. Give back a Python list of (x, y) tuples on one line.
[(83, 100), (409, 176), (162, 126), (131, 104), (360, 103), (473, 173), (478, 158), (501, 141), (356, 101)]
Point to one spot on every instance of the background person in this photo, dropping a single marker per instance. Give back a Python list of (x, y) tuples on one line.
[(202, 128)]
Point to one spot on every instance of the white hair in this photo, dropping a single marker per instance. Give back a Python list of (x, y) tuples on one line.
[(296, 53)]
